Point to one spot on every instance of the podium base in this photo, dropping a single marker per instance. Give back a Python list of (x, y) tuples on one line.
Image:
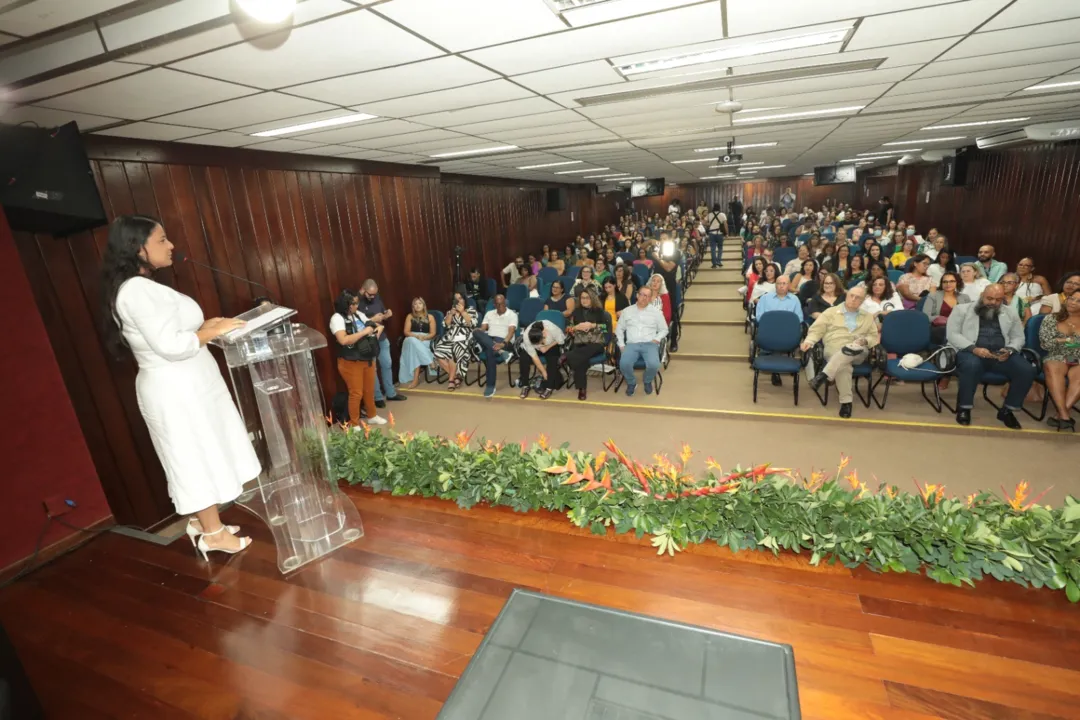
[(304, 530)]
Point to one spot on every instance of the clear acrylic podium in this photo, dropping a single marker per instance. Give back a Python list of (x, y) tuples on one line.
[(273, 376)]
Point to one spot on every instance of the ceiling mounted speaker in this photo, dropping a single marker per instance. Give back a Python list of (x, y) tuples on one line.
[(728, 106), (270, 12)]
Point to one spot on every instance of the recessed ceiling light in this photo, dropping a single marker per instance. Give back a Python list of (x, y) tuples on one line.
[(343, 120), (267, 11), (881, 153), (715, 177), (1048, 86), (793, 42), (695, 160), (734, 147), (805, 113), (973, 124), (574, 172), (557, 164), (478, 151), (930, 140)]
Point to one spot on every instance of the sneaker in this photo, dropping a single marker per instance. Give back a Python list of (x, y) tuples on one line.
[(489, 391), (545, 393), (504, 357), (525, 392), (648, 388), (376, 420), (630, 388)]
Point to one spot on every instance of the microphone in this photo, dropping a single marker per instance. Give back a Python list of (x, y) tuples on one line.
[(181, 256)]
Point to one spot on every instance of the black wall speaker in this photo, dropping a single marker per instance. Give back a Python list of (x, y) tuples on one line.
[(46, 185), (954, 168), (557, 199)]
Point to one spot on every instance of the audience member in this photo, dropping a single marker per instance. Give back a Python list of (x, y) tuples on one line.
[(841, 260), (542, 339), (942, 264), (802, 255), (476, 287), (512, 272), (915, 284), (974, 282), (1049, 304), (988, 339), (416, 352), (1031, 287), (807, 274), (766, 283), (643, 258), (554, 261), (661, 299), (940, 303), (372, 306), (992, 269), (453, 351), (641, 329), (1059, 336), (586, 280), (881, 300), (856, 271), (559, 300), (495, 336), (848, 333), (830, 294), (875, 255), (358, 347), (589, 330), (780, 299), (1009, 281), (601, 271)]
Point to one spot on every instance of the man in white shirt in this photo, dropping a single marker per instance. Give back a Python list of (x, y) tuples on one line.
[(641, 328), (494, 336), (788, 200), (512, 272), (542, 338)]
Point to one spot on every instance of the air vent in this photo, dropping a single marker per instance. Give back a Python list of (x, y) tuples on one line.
[(733, 81)]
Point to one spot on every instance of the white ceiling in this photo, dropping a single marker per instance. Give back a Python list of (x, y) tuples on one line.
[(446, 76)]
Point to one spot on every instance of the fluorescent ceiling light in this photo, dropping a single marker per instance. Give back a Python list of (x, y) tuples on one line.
[(930, 140), (715, 177), (860, 161), (343, 120), (267, 11), (478, 151), (589, 12), (534, 167), (793, 42), (610, 177), (733, 147), (805, 113), (574, 172), (881, 153), (630, 179), (736, 164), (695, 160), (1048, 86), (973, 124), (763, 167), (764, 109)]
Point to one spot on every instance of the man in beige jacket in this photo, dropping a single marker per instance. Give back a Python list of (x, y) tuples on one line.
[(848, 333)]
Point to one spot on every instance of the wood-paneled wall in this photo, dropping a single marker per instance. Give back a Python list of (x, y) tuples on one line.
[(1024, 201), (304, 227), (757, 194)]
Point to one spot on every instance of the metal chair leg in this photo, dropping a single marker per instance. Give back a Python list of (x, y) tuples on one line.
[(986, 397), (756, 373)]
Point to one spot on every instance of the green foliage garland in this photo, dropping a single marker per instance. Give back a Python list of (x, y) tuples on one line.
[(831, 517)]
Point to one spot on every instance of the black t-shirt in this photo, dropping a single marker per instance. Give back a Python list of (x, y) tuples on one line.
[(883, 213)]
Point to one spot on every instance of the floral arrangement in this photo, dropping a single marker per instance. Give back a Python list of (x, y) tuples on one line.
[(831, 516)]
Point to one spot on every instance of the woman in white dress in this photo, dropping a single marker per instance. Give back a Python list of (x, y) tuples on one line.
[(198, 434)]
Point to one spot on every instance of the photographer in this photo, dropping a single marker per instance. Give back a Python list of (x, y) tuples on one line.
[(358, 346), (667, 259)]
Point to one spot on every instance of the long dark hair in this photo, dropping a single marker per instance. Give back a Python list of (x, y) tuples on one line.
[(121, 262)]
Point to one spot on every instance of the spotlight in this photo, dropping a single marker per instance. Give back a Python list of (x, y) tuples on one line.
[(270, 12)]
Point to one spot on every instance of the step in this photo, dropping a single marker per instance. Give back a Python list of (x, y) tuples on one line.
[(713, 280), (717, 342), (707, 311)]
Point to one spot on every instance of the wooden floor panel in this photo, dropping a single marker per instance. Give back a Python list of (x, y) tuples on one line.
[(383, 628)]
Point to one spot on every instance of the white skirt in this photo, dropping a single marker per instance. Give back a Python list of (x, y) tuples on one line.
[(197, 432)]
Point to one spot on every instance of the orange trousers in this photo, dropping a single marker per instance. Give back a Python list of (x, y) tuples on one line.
[(359, 377)]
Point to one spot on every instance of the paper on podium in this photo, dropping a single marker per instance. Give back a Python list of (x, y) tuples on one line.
[(266, 319)]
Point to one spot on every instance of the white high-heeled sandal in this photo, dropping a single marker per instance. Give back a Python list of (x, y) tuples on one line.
[(204, 549), (193, 534)]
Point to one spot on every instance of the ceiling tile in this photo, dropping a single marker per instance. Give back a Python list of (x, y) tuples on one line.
[(924, 24), (285, 145), (47, 117), (412, 139), (746, 17), (331, 150), (422, 77), (519, 122), (222, 139), (41, 15), (148, 94), (443, 100), (150, 131), (1013, 59), (571, 77), (1029, 12), (49, 54), (148, 23), (232, 33), (5, 39), (1022, 38), (251, 110), (985, 77), (323, 49), (482, 113), (474, 23), (71, 81)]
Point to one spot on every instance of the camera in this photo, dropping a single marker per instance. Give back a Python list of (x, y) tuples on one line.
[(667, 249), (458, 252)]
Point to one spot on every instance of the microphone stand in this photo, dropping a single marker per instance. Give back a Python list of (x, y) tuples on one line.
[(184, 258)]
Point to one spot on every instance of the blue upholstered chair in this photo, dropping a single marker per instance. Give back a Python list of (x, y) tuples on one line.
[(903, 332), (779, 334)]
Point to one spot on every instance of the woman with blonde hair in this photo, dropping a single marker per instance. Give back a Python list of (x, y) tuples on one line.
[(416, 350), (661, 300)]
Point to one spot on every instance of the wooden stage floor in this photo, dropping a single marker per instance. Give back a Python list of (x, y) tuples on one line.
[(125, 629)]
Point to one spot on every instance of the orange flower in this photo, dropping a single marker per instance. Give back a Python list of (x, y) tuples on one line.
[(971, 499), (817, 477), (391, 416), (462, 439), (686, 453), (931, 491), (329, 420), (367, 428), (853, 479), (524, 446), (891, 491), (542, 441), (713, 465), (1020, 494), (599, 461)]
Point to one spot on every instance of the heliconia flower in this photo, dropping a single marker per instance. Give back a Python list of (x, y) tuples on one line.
[(390, 415), (930, 491), (569, 467), (853, 479), (713, 465), (971, 499), (367, 428), (591, 485), (862, 489), (1020, 494), (329, 420), (686, 453), (891, 491), (844, 460), (599, 461), (524, 447), (462, 439), (758, 473), (542, 441), (605, 481)]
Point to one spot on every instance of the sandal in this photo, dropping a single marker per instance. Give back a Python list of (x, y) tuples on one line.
[(453, 385)]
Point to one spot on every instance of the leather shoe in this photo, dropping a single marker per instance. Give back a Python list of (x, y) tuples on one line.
[(1006, 416), (819, 380), (963, 416), (845, 410), (776, 380), (380, 404)]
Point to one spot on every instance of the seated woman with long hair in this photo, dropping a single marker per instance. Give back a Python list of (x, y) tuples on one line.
[(808, 273), (942, 264), (874, 254), (416, 352), (613, 301), (906, 252), (940, 303), (1059, 336), (528, 279), (830, 293), (856, 271), (841, 260), (765, 283), (974, 280), (559, 300), (554, 261), (624, 281), (589, 332), (454, 349), (881, 299), (661, 299), (586, 279)]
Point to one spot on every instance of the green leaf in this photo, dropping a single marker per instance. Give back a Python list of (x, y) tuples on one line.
[(1072, 591), (1071, 513)]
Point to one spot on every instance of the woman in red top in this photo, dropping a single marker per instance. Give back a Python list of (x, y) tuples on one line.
[(757, 267), (661, 296)]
